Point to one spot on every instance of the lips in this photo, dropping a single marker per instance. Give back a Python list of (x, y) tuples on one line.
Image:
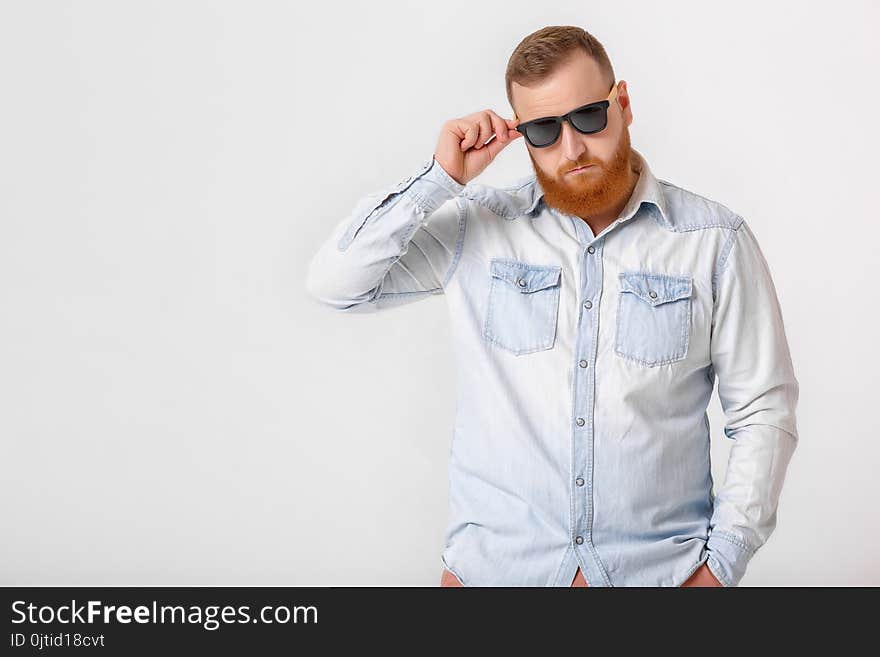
[(587, 166)]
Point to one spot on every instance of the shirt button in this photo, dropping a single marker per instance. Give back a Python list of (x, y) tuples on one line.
[(583, 363), (521, 283), (588, 304), (580, 421), (653, 294), (591, 249), (579, 540), (579, 481)]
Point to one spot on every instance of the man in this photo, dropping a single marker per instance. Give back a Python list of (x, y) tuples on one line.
[(592, 307)]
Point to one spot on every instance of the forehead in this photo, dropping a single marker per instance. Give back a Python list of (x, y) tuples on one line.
[(576, 82)]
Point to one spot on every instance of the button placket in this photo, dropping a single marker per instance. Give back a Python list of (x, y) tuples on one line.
[(583, 399)]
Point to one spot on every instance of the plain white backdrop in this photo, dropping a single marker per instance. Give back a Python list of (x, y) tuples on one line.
[(174, 408)]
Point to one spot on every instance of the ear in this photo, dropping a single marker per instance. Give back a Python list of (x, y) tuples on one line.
[(621, 88)]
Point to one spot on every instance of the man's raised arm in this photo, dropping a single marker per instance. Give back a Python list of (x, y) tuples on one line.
[(403, 243), (397, 245)]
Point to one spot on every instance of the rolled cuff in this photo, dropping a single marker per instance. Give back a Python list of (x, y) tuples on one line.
[(728, 557), (433, 187)]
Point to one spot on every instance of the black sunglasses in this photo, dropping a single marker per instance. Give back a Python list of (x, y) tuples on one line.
[(587, 119)]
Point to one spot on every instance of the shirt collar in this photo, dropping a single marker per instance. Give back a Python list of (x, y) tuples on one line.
[(647, 190)]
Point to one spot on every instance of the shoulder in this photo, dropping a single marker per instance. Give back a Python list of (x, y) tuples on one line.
[(689, 211), (508, 201)]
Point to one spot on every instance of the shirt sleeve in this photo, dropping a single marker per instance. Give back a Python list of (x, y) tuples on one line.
[(758, 391), (397, 246)]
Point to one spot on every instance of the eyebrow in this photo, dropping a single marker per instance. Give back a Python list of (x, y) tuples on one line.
[(555, 116)]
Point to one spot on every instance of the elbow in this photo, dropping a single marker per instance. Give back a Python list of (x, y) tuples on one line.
[(319, 289), (315, 285), (327, 292), (319, 286)]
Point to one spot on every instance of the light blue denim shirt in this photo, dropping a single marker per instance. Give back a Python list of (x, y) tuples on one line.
[(585, 364)]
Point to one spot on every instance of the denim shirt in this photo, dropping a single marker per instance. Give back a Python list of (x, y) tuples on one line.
[(584, 367)]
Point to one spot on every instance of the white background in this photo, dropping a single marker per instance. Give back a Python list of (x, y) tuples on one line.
[(174, 408)]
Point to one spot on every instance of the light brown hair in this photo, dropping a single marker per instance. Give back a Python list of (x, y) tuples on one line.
[(538, 55)]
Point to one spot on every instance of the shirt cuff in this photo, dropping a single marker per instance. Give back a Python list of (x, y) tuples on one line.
[(728, 557), (433, 186)]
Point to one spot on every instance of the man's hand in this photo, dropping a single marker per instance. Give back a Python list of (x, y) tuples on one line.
[(702, 577), (464, 148)]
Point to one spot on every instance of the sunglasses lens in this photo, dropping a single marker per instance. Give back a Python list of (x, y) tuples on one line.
[(591, 119), (542, 133)]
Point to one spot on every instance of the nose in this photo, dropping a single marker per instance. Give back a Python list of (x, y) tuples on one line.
[(572, 142)]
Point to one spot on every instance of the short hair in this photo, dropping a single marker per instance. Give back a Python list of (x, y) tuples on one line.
[(542, 51)]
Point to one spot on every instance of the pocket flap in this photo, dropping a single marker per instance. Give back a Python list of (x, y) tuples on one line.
[(655, 288), (525, 277)]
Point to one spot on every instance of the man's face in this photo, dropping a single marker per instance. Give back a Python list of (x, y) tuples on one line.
[(608, 183)]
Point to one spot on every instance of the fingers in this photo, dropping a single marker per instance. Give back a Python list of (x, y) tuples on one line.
[(479, 127), (477, 133), (499, 126), (485, 130), (512, 131), (471, 134), (504, 132)]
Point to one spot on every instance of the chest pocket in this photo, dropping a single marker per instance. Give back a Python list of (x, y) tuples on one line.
[(653, 317), (523, 305)]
